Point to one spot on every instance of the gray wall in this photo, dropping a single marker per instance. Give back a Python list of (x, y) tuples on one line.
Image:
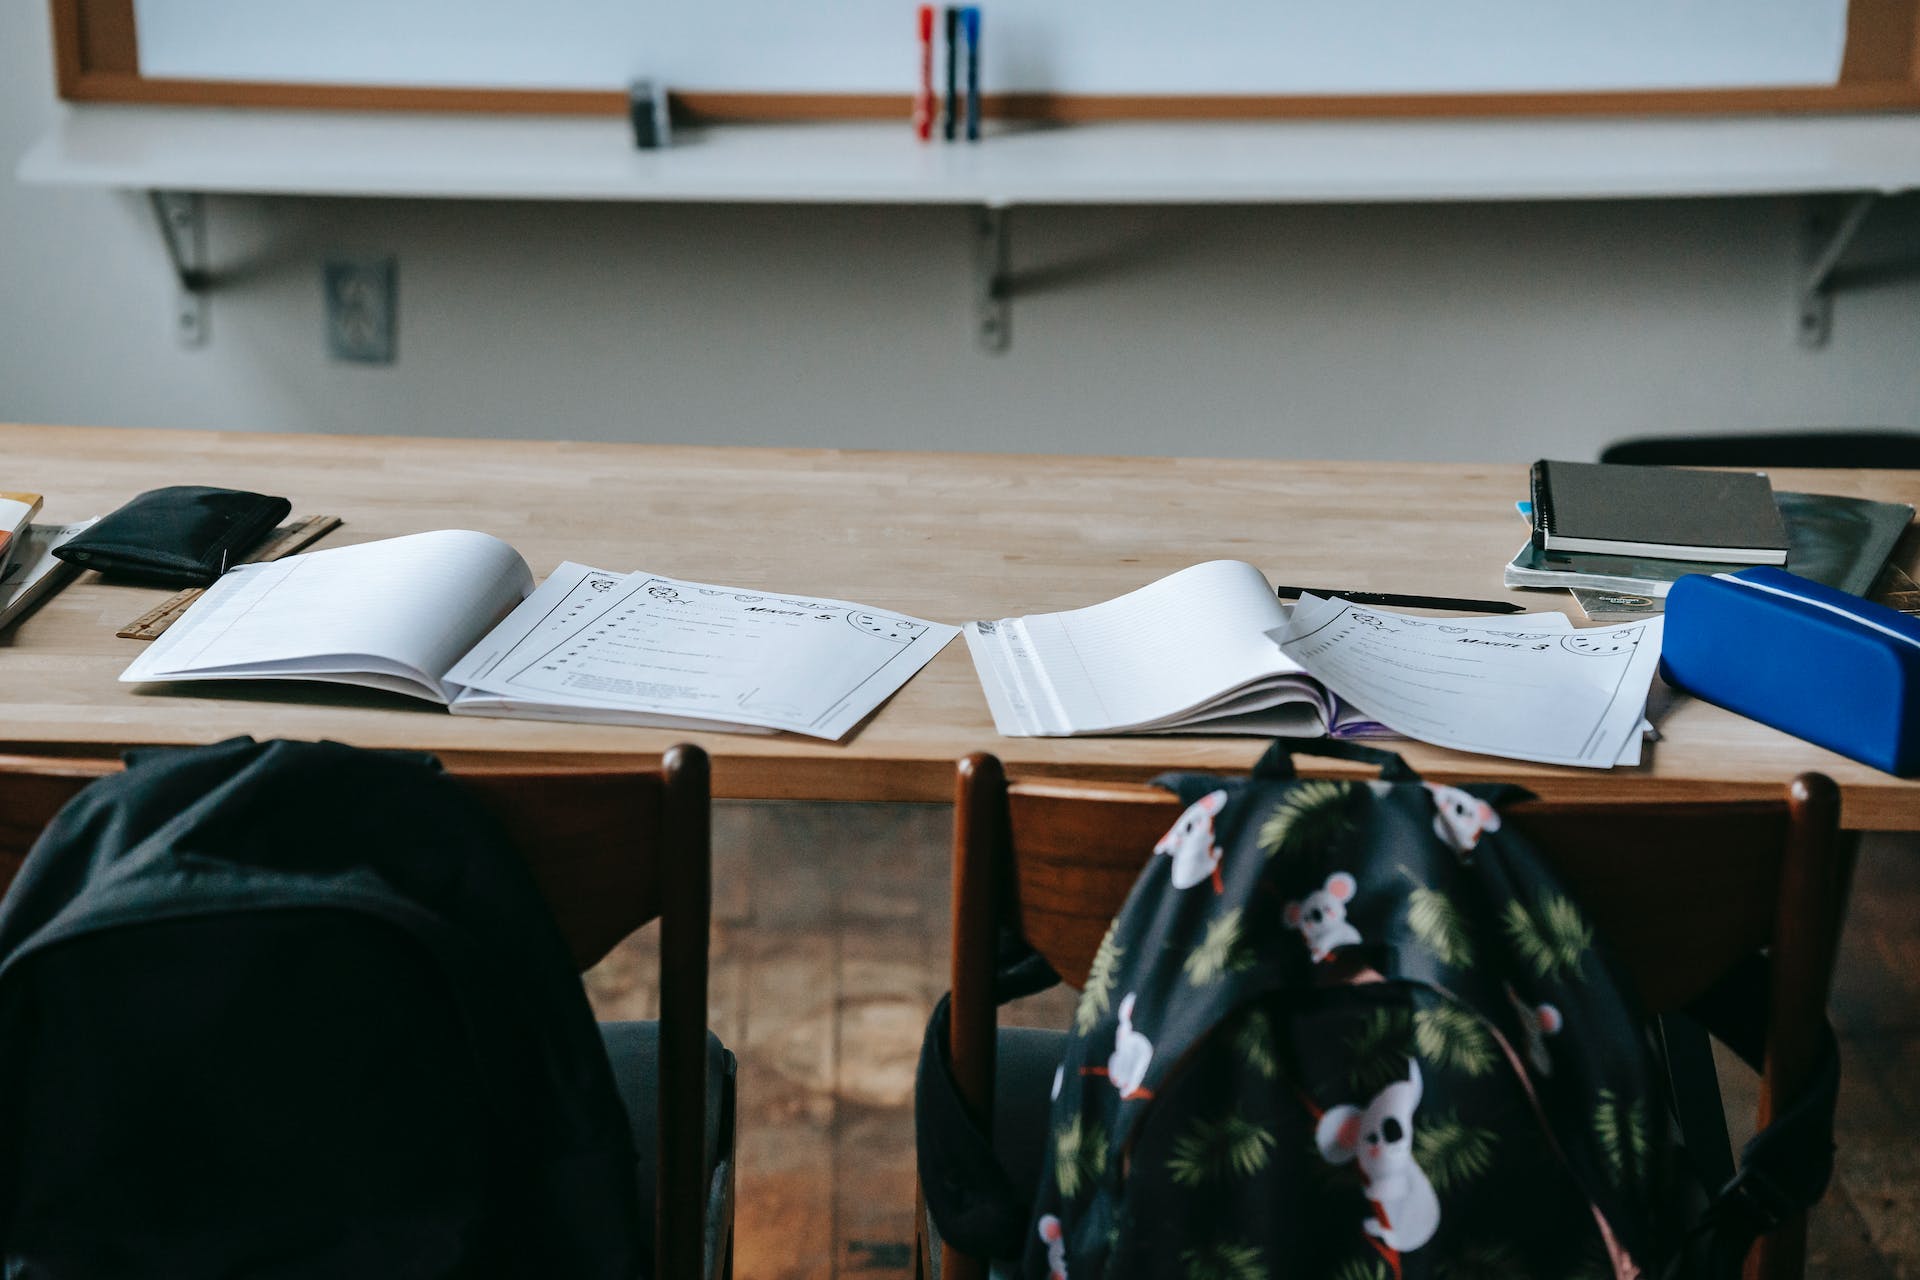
[(1496, 332)]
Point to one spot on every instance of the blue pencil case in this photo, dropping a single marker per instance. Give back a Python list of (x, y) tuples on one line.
[(1837, 670)]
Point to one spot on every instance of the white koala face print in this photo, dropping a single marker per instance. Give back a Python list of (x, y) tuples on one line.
[(1321, 916), (1380, 1138), (1459, 819), (1190, 843)]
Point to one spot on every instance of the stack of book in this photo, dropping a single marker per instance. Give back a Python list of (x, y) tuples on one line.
[(16, 509), (1604, 530), (29, 571)]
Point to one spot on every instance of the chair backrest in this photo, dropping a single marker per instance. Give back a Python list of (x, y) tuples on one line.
[(611, 849), (1682, 890), (1872, 448)]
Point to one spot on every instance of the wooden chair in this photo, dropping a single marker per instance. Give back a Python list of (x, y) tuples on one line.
[(612, 850), (1684, 892)]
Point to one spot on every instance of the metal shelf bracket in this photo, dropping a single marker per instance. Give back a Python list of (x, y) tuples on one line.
[(1825, 239), (182, 217), (992, 280)]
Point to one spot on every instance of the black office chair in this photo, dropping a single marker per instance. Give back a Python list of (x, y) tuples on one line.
[(1879, 447)]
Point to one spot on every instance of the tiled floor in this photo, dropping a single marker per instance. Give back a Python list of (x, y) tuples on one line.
[(830, 942)]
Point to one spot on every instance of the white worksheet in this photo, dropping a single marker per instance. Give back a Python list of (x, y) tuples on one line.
[(1528, 693), (640, 645)]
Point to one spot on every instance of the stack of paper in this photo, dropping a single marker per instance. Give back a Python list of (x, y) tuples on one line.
[(1525, 692)]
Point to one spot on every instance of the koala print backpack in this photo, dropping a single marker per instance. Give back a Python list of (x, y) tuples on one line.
[(1356, 1031)]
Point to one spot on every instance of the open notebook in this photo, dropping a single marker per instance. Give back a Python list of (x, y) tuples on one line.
[(453, 616), (1190, 653), (1211, 650)]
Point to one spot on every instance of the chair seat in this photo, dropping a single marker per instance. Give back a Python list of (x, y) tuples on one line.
[(634, 1050), (1025, 1059)]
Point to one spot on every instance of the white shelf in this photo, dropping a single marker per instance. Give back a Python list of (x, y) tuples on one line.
[(215, 150)]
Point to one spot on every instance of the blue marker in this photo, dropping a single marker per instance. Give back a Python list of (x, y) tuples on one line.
[(970, 22)]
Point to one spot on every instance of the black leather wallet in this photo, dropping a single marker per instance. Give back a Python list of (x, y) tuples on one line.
[(184, 535)]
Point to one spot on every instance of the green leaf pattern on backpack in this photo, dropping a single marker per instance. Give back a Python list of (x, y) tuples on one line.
[(1097, 996), (1210, 1150), (1377, 1053), (1436, 921), (1450, 1152), (1450, 1036), (1552, 941), (1079, 1156), (1363, 1269), (1219, 952), (1313, 813), (1621, 1131), (1481, 1262), (1224, 1261), (1253, 1040)]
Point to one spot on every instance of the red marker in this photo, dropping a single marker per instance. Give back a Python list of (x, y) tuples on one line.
[(923, 96)]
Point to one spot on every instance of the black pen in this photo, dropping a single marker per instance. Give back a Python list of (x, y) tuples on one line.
[(950, 123), (1409, 602)]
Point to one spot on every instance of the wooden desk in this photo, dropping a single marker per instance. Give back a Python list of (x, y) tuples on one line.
[(944, 536)]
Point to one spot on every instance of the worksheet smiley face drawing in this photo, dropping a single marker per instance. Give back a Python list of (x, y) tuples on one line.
[(1598, 645)]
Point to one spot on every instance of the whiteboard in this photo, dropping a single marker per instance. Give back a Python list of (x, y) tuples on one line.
[(1126, 47)]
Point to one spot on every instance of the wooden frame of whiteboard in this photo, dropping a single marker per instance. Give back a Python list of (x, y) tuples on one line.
[(97, 59)]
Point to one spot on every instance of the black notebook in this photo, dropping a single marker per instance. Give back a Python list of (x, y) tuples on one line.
[(1667, 513)]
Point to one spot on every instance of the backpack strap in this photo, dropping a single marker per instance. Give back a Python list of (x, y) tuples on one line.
[(1277, 763), (1785, 1168), (971, 1198)]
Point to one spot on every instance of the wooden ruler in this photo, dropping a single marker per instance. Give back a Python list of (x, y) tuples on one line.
[(284, 541)]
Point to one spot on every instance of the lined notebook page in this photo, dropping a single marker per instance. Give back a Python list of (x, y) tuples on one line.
[(408, 607), (1149, 655)]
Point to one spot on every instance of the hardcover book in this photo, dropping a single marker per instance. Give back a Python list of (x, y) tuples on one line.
[(1661, 513), (1842, 542)]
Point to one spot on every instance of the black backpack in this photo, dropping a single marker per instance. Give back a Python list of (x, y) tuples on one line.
[(1357, 1030), (294, 1009)]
